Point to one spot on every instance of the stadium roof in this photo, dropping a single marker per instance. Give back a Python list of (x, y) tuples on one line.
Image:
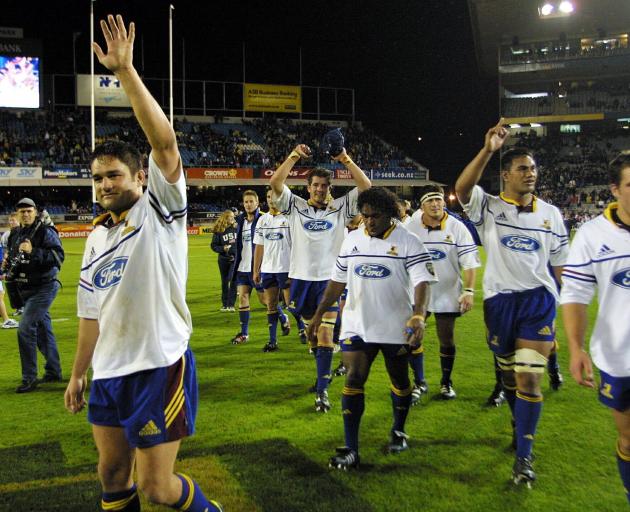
[(496, 22)]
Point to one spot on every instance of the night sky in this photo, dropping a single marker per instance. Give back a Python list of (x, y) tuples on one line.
[(411, 63)]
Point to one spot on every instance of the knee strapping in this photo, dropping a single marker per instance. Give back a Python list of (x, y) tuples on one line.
[(528, 360)]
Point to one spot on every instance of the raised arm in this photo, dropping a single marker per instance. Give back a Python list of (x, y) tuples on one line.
[(153, 121), (470, 176), (282, 172), (360, 178)]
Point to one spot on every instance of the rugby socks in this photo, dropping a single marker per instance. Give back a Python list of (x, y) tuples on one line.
[(272, 321), (323, 359), (401, 400), (127, 501), (352, 406), (416, 361), (497, 371), (243, 316), (447, 360), (623, 463), (510, 397), (337, 330), (283, 317), (192, 499), (552, 364), (526, 413), (298, 320)]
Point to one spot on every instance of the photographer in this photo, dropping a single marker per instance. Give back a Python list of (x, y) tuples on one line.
[(34, 258)]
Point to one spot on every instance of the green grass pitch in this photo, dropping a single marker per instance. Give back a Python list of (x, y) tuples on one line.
[(260, 447)]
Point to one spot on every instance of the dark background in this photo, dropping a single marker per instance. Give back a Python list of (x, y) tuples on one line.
[(412, 63)]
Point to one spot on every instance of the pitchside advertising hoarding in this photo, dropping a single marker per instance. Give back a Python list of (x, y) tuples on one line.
[(219, 173), (21, 173), (107, 91), (272, 98), (63, 173)]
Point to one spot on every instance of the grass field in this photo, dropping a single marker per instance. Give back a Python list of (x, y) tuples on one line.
[(260, 446)]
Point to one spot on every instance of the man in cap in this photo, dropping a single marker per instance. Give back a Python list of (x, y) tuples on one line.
[(34, 257)]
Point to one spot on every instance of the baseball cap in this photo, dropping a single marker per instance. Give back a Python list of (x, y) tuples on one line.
[(25, 202)]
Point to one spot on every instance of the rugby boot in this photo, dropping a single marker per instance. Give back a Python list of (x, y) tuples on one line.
[(397, 442), (240, 338), (302, 335), (270, 347), (447, 392), (286, 327), (418, 391), (340, 370), (322, 404), (497, 397), (344, 459), (523, 472), (555, 380)]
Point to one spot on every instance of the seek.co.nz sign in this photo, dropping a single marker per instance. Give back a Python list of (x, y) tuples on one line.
[(110, 273)]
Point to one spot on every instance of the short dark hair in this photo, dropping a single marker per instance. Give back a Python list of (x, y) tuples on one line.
[(380, 199), (123, 151), (250, 192), (320, 172), (616, 167), (512, 154)]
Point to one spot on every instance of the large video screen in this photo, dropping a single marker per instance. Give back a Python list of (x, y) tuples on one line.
[(19, 82)]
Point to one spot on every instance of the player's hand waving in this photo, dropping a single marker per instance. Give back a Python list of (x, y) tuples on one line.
[(74, 396), (496, 136), (303, 150), (119, 44), (582, 369)]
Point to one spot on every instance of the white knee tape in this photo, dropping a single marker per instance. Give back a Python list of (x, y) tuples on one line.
[(528, 360)]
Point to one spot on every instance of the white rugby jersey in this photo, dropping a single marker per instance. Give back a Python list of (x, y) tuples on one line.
[(245, 264), (316, 234), (273, 233), (378, 274), (518, 245), (600, 259), (452, 249), (133, 281)]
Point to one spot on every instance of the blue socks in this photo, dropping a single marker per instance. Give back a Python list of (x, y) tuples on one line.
[(526, 414), (623, 463), (272, 321), (352, 407), (127, 501), (416, 361), (192, 499), (401, 400), (243, 316), (323, 359)]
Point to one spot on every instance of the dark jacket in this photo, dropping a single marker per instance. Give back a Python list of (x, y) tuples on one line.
[(240, 221), (44, 262), (227, 237)]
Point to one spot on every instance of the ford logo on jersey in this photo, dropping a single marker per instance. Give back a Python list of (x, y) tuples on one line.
[(372, 271), (520, 243), (110, 274), (274, 236), (437, 254), (247, 237), (622, 278), (318, 225)]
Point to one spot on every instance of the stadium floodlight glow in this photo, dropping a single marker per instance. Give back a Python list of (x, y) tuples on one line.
[(546, 9), (515, 125), (535, 125), (566, 7)]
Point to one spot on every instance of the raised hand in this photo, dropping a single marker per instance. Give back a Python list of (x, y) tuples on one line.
[(119, 44), (496, 136), (303, 150)]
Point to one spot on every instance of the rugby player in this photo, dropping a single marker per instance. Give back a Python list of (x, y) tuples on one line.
[(599, 259), (378, 265), (317, 231), (134, 323), (272, 249), (522, 235), (452, 250)]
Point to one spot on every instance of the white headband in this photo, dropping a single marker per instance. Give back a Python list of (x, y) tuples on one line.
[(431, 195)]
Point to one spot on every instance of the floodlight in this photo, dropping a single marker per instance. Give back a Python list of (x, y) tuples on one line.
[(566, 7), (547, 9)]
